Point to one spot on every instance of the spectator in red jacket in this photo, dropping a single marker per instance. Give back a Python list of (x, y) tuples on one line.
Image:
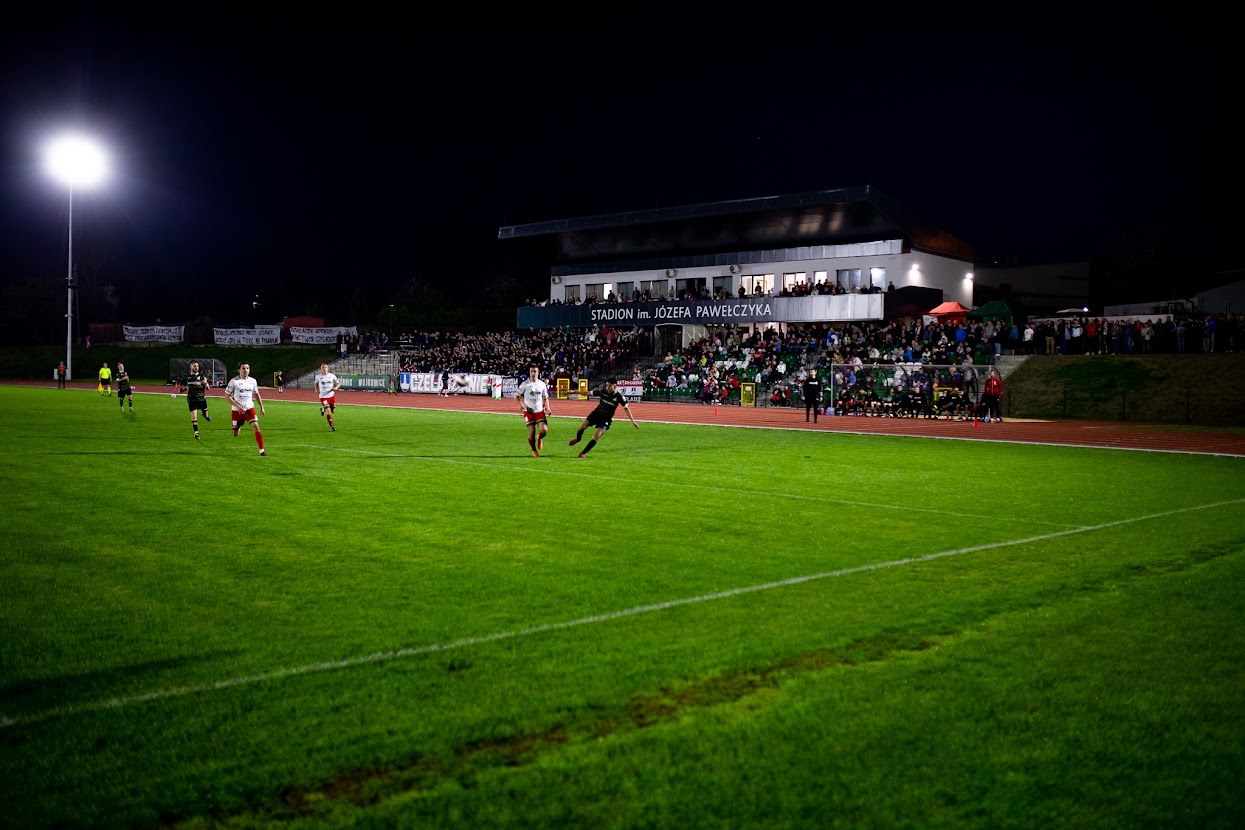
[(992, 397)]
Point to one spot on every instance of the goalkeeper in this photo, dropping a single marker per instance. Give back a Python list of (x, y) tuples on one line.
[(603, 416)]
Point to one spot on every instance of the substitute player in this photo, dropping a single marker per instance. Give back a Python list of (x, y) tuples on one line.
[(327, 385), (243, 394), (533, 398), (603, 416)]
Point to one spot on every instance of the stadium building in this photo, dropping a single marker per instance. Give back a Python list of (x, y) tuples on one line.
[(852, 254)]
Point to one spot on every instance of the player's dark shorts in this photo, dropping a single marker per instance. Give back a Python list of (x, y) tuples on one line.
[(124, 390), (192, 404), (599, 420)]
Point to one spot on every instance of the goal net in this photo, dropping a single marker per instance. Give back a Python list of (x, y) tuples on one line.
[(179, 366)]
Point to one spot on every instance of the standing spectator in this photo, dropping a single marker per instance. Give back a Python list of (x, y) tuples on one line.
[(1077, 342), (603, 416), (1028, 338), (105, 380), (61, 375), (970, 377), (533, 398), (811, 393), (327, 385), (280, 381), (992, 397), (445, 383), (124, 392), (196, 396), (243, 394)]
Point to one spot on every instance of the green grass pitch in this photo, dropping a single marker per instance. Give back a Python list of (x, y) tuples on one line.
[(410, 622)]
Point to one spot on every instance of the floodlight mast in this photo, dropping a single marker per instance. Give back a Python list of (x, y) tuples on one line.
[(74, 161), (69, 300)]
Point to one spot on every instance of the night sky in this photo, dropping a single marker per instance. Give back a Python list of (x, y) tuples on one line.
[(323, 166)]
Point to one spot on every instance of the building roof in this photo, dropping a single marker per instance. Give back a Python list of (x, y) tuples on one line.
[(822, 217)]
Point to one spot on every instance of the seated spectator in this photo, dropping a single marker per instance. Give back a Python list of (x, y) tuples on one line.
[(952, 405), (708, 391)]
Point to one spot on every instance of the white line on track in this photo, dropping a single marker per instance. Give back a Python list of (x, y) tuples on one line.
[(465, 642)]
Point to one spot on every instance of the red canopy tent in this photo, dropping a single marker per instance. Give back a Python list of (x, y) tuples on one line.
[(949, 311)]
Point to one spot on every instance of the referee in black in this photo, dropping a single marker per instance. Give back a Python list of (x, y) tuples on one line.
[(811, 392)]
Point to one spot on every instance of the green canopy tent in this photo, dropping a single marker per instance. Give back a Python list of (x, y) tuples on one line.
[(993, 310)]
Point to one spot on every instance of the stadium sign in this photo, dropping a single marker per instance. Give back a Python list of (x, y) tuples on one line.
[(633, 390), (816, 308)]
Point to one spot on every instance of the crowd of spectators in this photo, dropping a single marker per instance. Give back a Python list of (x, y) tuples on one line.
[(1165, 334), (365, 342), (594, 353), (892, 367), (889, 357)]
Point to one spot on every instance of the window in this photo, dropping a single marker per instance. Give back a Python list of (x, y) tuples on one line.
[(790, 281), (689, 287), (877, 277), (572, 294), (625, 289), (758, 284), (656, 288), (849, 278), (724, 285)]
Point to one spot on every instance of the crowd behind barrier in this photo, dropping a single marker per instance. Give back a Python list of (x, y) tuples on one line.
[(713, 368), (1158, 334), (593, 354)]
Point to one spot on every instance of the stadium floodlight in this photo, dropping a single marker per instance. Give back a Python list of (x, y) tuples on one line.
[(76, 162)]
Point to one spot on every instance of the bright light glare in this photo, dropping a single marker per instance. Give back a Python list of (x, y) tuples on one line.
[(76, 161)]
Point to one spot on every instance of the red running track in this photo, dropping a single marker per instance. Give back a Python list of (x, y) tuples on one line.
[(1116, 435)]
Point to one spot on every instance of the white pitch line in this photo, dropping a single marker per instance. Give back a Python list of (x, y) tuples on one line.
[(465, 642)]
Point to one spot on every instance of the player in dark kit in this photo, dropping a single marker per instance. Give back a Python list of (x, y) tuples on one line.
[(811, 392), (196, 395), (124, 391), (603, 416)]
